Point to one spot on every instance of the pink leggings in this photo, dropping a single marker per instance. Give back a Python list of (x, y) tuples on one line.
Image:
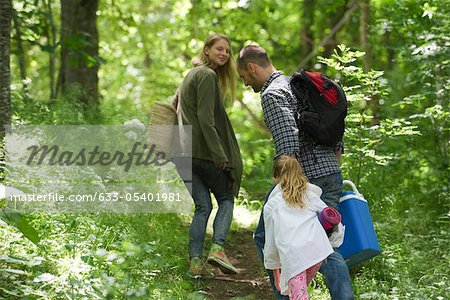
[(298, 285)]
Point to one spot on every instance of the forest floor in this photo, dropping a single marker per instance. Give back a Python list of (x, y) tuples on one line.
[(250, 283)]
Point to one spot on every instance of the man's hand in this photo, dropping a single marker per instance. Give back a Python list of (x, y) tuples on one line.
[(339, 150), (338, 154)]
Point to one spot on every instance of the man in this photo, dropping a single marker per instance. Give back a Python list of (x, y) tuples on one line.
[(320, 164)]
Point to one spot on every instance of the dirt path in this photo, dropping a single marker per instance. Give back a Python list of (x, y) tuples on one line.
[(251, 282)]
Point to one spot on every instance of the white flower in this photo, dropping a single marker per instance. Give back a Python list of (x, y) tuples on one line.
[(46, 277), (101, 252), (134, 124), (427, 50), (112, 256)]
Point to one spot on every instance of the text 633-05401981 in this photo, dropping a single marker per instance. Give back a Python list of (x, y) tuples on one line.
[(136, 197)]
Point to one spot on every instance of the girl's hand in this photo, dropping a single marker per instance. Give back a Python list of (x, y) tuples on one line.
[(276, 278)]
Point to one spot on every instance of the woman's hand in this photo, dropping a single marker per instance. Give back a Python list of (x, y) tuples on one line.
[(221, 164)]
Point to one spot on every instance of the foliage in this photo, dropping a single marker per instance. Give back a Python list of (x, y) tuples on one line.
[(96, 257), (397, 139), (423, 98), (17, 220), (365, 141), (414, 261)]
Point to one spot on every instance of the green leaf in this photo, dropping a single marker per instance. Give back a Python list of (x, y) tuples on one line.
[(17, 220), (14, 271)]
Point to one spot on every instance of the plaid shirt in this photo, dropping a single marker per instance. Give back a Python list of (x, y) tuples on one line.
[(279, 106)]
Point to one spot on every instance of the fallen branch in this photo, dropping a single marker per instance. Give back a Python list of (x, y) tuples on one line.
[(252, 282)]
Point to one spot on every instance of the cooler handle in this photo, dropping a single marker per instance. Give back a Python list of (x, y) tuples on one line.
[(352, 185)]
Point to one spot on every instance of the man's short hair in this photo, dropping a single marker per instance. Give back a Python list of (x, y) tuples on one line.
[(254, 54)]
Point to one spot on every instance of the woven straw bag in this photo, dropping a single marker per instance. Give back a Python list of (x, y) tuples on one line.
[(161, 136)]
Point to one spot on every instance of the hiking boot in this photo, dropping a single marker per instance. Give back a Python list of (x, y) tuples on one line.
[(218, 259), (197, 269)]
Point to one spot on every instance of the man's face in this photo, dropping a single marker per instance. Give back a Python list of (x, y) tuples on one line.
[(250, 79)]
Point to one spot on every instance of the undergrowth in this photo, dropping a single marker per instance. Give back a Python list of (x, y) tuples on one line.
[(143, 256), (96, 257)]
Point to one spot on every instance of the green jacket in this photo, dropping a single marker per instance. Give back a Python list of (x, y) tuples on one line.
[(213, 137)]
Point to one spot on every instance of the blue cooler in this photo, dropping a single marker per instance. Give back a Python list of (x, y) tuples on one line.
[(360, 240)]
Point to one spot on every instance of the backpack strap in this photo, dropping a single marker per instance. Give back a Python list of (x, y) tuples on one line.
[(297, 83)]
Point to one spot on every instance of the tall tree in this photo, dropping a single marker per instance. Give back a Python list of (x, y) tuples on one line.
[(51, 38), (79, 49), (352, 6), (333, 18), (5, 80), (364, 26), (306, 35), (364, 23), (20, 51)]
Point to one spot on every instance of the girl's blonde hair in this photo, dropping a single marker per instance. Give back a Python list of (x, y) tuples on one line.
[(227, 72), (288, 173)]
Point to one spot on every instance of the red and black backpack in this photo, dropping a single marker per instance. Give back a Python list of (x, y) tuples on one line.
[(322, 109)]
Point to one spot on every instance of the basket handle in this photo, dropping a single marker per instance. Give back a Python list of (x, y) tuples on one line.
[(352, 185)]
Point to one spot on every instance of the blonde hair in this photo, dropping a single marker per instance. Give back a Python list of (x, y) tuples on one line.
[(288, 173), (225, 73)]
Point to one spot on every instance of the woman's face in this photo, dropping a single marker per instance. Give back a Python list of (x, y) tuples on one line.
[(218, 53)]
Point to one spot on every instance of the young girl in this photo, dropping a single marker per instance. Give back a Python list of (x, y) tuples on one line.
[(295, 242)]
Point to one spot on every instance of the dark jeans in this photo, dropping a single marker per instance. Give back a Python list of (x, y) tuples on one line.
[(203, 178), (337, 276)]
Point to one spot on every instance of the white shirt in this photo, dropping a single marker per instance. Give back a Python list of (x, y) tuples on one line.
[(295, 239)]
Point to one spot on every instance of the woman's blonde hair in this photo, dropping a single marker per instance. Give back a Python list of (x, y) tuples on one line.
[(288, 173), (227, 72)]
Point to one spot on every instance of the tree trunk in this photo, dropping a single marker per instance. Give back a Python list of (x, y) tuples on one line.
[(334, 18), (21, 53), (51, 38), (5, 80), (364, 23), (390, 52), (306, 35), (352, 7), (79, 50)]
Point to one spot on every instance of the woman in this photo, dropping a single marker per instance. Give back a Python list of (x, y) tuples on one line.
[(216, 159)]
